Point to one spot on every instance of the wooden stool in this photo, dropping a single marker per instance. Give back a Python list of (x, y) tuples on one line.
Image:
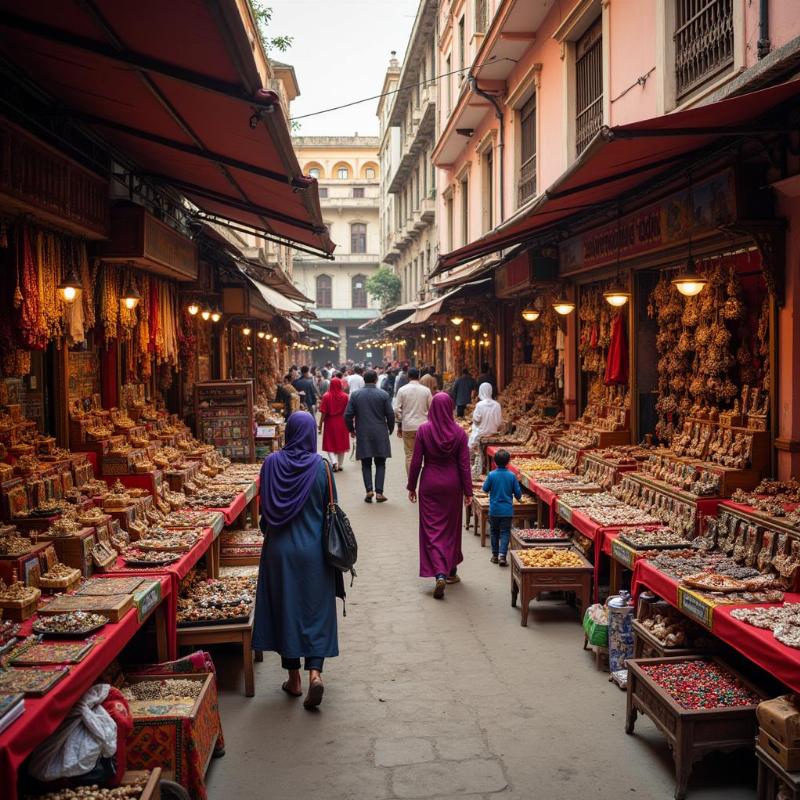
[(238, 633), (529, 582), (772, 776)]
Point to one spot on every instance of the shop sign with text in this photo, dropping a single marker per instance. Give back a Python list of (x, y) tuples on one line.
[(699, 211)]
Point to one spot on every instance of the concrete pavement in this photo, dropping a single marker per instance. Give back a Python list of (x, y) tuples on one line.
[(445, 699)]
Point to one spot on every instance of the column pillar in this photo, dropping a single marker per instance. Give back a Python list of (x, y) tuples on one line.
[(342, 342)]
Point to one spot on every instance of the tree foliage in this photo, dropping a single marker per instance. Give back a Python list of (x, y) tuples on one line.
[(263, 16), (384, 286)]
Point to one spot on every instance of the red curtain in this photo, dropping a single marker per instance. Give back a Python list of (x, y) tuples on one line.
[(617, 358)]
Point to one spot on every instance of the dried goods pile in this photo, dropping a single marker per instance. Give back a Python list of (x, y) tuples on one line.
[(550, 558)]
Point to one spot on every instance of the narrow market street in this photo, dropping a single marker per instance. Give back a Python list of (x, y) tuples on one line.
[(445, 699)]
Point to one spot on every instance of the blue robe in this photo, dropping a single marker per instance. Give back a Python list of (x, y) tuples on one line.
[(297, 589)]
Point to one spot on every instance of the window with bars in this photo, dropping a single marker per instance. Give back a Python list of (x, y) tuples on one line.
[(703, 42), (481, 16), (324, 291), (527, 154), (588, 86), (358, 237), (359, 291)]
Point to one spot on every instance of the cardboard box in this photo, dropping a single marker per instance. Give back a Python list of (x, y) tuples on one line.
[(787, 757), (780, 718)]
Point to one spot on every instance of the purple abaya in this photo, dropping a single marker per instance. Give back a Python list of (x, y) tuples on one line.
[(445, 480)]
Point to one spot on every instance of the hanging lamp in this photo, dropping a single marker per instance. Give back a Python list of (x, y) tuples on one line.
[(216, 315), (562, 305), (193, 308), (617, 294), (131, 297), (530, 314), (71, 287), (476, 326), (205, 314), (689, 282), (456, 320)]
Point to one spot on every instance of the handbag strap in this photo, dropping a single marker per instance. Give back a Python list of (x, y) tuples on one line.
[(330, 482)]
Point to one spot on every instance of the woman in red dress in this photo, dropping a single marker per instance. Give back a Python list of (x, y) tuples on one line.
[(335, 437)]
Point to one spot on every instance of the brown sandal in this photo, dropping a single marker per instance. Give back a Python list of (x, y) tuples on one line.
[(285, 687)]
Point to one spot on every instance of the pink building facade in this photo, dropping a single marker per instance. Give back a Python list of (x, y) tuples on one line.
[(533, 81)]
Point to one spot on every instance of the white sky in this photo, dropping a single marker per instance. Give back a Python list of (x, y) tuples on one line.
[(340, 53)]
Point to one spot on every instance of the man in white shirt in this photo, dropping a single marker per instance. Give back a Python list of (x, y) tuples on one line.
[(355, 381), (411, 410)]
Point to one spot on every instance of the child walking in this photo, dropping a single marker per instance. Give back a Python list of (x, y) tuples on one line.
[(502, 486)]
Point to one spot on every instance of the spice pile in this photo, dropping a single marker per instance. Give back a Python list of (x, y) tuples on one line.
[(549, 558), (215, 600), (170, 696), (701, 684), (130, 791), (536, 465), (72, 623), (540, 534), (783, 621), (653, 540)]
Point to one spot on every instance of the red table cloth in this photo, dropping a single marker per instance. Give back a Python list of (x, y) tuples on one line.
[(44, 714), (174, 573), (234, 509), (755, 644)]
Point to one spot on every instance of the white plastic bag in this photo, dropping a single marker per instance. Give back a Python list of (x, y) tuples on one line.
[(87, 733)]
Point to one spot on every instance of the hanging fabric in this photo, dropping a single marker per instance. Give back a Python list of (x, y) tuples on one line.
[(617, 358)]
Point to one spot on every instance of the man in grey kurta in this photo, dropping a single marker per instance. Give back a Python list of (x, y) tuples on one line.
[(369, 415)]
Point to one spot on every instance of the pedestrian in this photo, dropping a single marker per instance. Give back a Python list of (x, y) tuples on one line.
[(402, 378), (502, 486), (486, 420), (411, 410), (487, 376), (288, 395), (428, 378), (441, 453), (306, 389), (355, 381), (391, 375), (323, 383), (370, 416), (335, 438), (463, 390), (295, 613)]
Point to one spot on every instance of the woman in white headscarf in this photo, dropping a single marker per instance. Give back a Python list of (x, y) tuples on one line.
[(486, 420)]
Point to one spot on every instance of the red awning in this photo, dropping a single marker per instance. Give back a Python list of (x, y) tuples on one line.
[(175, 87), (622, 158)]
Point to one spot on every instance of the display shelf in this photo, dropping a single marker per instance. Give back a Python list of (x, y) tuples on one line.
[(224, 417)]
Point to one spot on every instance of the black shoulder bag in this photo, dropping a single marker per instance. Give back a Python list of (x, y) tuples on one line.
[(341, 548)]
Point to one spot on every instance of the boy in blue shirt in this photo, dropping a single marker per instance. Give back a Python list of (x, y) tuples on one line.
[(502, 486)]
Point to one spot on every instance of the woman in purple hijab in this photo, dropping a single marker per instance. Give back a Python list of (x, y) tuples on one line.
[(445, 485), (296, 598)]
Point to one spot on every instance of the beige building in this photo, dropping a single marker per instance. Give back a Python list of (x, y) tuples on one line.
[(408, 131), (347, 169)]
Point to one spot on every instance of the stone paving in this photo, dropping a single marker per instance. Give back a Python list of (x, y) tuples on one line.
[(445, 699)]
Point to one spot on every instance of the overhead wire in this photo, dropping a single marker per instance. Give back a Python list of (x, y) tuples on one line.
[(400, 89)]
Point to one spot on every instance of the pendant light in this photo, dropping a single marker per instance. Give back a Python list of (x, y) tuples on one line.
[(617, 294), (457, 338), (456, 320), (530, 314), (246, 331), (562, 305), (131, 297), (689, 282), (193, 308), (216, 315), (261, 334), (70, 288), (205, 314), (476, 326)]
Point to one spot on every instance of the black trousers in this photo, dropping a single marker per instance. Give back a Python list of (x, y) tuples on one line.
[(312, 662), (460, 410), (380, 473)]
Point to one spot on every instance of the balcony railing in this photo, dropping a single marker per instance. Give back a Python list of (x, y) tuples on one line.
[(703, 42), (527, 180)]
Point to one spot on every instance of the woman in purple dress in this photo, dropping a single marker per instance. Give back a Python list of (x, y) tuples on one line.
[(444, 487)]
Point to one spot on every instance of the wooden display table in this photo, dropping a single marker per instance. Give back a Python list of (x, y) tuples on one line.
[(645, 645), (524, 512), (531, 581), (772, 778), (690, 733), (237, 633)]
